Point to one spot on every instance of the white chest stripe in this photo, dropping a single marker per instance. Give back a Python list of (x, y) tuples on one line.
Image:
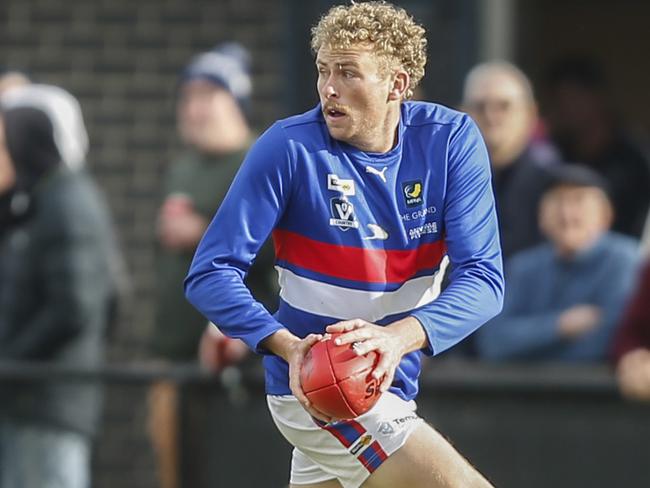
[(344, 303)]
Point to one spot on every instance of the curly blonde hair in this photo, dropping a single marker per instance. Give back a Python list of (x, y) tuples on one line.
[(391, 31)]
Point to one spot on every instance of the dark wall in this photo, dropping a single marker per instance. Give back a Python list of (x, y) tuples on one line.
[(614, 34)]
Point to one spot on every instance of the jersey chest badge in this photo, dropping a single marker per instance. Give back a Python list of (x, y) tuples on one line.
[(343, 214), (412, 192), (345, 187)]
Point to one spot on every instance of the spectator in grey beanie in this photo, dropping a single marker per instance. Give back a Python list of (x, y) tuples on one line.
[(227, 65), (212, 101)]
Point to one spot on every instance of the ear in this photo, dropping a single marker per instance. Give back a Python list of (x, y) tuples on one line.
[(401, 83)]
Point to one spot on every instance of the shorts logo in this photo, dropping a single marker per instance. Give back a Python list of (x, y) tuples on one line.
[(361, 444), (343, 214), (346, 187), (412, 191), (403, 420), (386, 429)]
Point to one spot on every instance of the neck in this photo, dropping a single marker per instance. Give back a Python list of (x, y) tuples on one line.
[(384, 136)]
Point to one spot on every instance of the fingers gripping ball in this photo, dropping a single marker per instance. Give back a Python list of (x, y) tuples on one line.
[(337, 381)]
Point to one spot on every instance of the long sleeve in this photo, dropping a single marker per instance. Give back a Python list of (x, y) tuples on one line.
[(475, 293), (249, 212)]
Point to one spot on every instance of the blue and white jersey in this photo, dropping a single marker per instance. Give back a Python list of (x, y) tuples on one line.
[(357, 235)]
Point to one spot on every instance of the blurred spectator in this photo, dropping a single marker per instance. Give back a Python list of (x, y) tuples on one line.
[(213, 101), (58, 282), (645, 238), (564, 297), (632, 344), (500, 99), (586, 127), (10, 79)]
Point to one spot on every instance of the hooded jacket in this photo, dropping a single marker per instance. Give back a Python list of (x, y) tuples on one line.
[(57, 279)]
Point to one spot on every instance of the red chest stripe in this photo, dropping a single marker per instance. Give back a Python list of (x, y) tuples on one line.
[(355, 263)]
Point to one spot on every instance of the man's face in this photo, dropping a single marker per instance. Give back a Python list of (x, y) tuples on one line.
[(205, 111), (7, 171), (503, 111), (354, 94), (574, 217)]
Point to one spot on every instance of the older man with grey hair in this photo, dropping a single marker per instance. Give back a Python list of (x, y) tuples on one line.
[(499, 97)]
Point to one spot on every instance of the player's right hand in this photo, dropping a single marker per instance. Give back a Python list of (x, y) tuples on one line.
[(296, 357)]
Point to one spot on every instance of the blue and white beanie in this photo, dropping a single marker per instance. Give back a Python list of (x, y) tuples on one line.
[(227, 65)]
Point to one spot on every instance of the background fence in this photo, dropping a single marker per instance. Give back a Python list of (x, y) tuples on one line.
[(522, 425)]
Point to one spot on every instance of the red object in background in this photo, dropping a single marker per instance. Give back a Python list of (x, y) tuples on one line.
[(217, 351), (176, 204), (337, 381)]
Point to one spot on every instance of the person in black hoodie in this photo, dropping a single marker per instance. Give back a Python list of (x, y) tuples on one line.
[(58, 282)]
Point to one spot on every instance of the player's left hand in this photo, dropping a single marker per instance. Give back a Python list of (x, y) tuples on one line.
[(366, 337)]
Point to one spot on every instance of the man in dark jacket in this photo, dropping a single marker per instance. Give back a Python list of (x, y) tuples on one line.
[(57, 285), (499, 97)]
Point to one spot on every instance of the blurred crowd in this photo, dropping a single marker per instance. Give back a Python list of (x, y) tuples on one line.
[(571, 183)]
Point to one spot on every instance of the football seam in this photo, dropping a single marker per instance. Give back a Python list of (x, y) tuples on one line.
[(336, 381), (343, 394)]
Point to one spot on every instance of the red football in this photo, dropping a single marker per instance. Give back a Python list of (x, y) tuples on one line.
[(337, 381)]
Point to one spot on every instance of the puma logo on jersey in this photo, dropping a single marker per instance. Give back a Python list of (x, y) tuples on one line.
[(376, 172), (377, 233)]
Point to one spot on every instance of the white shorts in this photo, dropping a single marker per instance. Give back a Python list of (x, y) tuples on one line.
[(349, 450)]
